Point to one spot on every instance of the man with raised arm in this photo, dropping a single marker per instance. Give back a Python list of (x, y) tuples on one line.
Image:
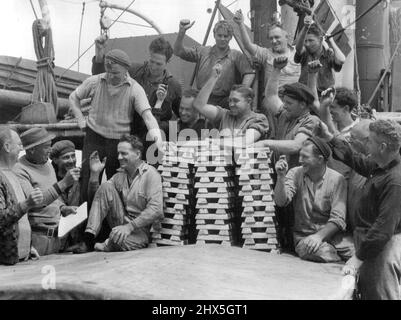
[(310, 47), (278, 38), (239, 120), (235, 67), (318, 195), (289, 115)]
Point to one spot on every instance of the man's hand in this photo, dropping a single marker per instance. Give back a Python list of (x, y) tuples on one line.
[(101, 41), (327, 97), (33, 254), (120, 233), (217, 68), (185, 24), (312, 243), (308, 21), (352, 266), (35, 198), (238, 17), (323, 132), (71, 176), (314, 66), (67, 210), (161, 92), (95, 165), (281, 167), (82, 123), (280, 62)]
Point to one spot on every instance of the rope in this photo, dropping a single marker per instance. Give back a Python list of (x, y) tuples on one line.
[(385, 73), (356, 20), (83, 53), (45, 89), (80, 30), (34, 11)]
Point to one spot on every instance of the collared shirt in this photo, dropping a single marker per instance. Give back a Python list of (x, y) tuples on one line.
[(10, 213), (287, 129), (197, 127), (338, 165), (40, 176), (143, 198), (379, 209), (316, 204), (226, 122), (325, 78), (112, 106), (234, 66), (289, 74)]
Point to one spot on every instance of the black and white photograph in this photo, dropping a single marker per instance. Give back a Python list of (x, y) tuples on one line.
[(200, 156)]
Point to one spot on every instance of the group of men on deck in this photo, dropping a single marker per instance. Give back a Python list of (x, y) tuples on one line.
[(337, 178)]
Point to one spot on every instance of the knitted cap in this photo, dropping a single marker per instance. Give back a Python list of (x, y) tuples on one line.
[(322, 146), (61, 147), (120, 57)]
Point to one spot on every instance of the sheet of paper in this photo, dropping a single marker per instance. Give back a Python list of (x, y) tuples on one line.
[(70, 222)]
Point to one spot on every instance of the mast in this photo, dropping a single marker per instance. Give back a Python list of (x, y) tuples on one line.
[(372, 44)]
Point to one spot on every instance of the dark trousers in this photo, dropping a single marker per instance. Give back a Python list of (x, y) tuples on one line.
[(106, 148)]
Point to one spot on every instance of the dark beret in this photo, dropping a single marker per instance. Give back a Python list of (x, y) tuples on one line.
[(61, 147), (120, 57), (322, 146), (298, 91)]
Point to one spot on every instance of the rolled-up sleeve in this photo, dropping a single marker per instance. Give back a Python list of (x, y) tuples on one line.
[(259, 123), (291, 184), (339, 203), (141, 102), (154, 200), (242, 64), (191, 54)]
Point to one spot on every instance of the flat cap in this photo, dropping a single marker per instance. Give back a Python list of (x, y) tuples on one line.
[(298, 91), (322, 146)]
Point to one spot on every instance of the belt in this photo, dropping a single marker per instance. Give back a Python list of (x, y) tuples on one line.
[(51, 232)]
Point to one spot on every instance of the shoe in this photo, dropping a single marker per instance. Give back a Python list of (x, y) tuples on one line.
[(102, 246), (81, 248)]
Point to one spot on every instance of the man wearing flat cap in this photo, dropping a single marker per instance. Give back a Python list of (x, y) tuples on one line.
[(289, 115), (318, 195), (115, 97), (35, 171)]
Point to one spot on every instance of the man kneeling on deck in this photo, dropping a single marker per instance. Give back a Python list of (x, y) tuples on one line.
[(131, 201), (319, 197)]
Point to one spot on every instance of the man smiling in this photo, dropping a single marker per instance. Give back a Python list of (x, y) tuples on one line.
[(319, 200), (131, 201), (278, 38), (234, 62)]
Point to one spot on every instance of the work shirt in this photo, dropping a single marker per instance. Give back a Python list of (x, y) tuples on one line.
[(234, 66), (315, 208), (112, 106), (143, 198), (289, 74), (283, 128), (11, 212), (140, 73), (197, 127), (325, 78), (40, 176), (226, 122), (378, 216)]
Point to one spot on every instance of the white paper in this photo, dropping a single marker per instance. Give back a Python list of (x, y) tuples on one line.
[(68, 223)]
